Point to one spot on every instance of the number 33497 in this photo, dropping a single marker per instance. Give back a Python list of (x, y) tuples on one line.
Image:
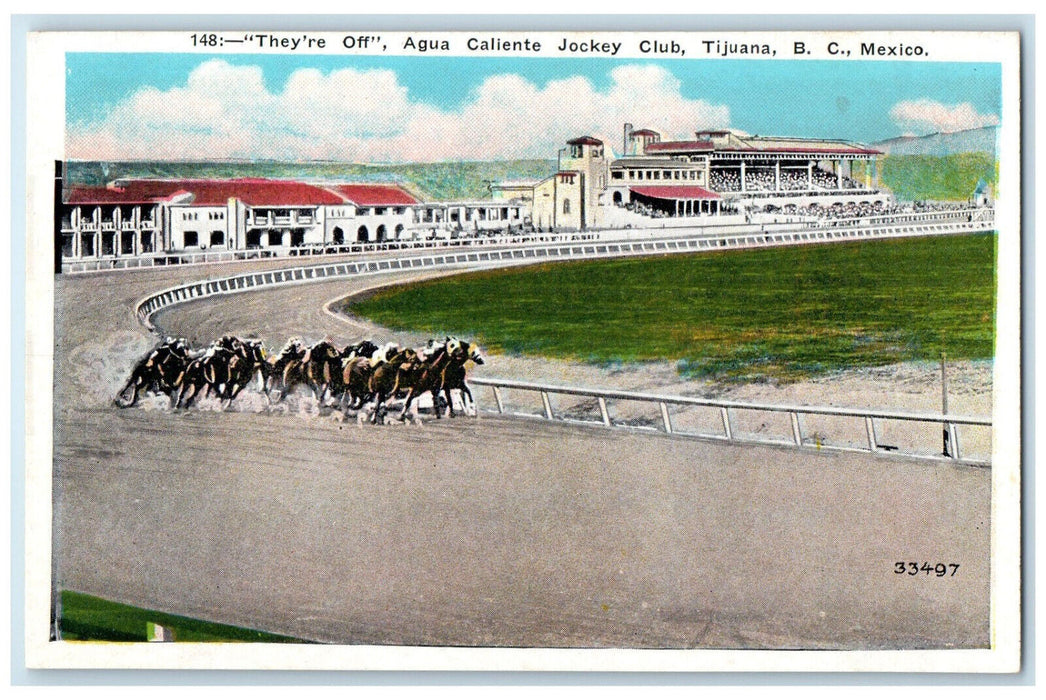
[(914, 568)]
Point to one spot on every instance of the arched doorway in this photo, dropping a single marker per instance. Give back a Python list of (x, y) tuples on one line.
[(362, 234), (337, 236), (381, 232), (617, 198), (399, 231)]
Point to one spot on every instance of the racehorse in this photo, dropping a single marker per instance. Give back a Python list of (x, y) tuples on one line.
[(284, 370), (156, 372), (427, 376), (248, 359), (321, 368), (454, 374), (209, 371), (388, 377)]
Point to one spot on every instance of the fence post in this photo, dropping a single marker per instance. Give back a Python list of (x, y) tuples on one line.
[(797, 430), (869, 427), (497, 399), (725, 412), (603, 412), (953, 432), (547, 404), (665, 418)]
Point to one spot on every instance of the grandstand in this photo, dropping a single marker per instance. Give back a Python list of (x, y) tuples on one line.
[(718, 178), (745, 173)]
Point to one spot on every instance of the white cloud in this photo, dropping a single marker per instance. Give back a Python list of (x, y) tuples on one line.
[(926, 116), (225, 111)]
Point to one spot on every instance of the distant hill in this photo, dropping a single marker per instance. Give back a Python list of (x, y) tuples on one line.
[(430, 181), (982, 140)]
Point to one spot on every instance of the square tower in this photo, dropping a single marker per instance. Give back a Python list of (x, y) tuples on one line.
[(585, 156)]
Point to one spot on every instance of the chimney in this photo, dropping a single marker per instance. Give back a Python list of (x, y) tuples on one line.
[(628, 130)]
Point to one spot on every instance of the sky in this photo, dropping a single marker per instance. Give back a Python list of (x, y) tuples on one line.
[(420, 109)]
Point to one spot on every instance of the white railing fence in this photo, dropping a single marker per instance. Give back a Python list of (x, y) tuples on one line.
[(977, 220), (669, 415)]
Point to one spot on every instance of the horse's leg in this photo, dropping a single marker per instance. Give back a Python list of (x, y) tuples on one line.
[(450, 400), (406, 404), (194, 392), (359, 398), (465, 391), (379, 404), (182, 394), (231, 391)]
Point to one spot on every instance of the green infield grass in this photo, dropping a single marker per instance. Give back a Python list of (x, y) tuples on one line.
[(783, 313), (88, 618)]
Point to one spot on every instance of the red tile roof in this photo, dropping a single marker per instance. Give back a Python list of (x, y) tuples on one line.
[(259, 192), (644, 132), (375, 195), (678, 146), (256, 192), (138, 192), (585, 141), (675, 192)]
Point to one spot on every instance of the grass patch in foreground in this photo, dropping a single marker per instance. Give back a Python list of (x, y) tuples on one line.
[(88, 618), (783, 313)]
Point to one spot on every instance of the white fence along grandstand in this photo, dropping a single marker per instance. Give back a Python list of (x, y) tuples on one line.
[(781, 230)]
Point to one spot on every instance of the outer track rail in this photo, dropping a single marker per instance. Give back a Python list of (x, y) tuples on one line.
[(529, 254), (728, 411)]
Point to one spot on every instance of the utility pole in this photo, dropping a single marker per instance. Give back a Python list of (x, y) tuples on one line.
[(944, 406)]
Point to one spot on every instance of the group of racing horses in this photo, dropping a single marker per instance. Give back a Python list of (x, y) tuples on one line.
[(360, 375)]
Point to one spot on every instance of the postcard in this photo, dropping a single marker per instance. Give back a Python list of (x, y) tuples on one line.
[(523, 350)]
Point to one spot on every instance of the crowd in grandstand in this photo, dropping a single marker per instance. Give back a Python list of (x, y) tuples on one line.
[(725, 180), (852, 210), (790, 180)]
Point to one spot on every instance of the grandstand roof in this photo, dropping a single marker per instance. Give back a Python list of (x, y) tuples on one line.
[(678, 146), (675, 192), (649, 162), (800, 148)]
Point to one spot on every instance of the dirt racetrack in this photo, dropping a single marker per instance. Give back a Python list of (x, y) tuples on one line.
[(481, 531)]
